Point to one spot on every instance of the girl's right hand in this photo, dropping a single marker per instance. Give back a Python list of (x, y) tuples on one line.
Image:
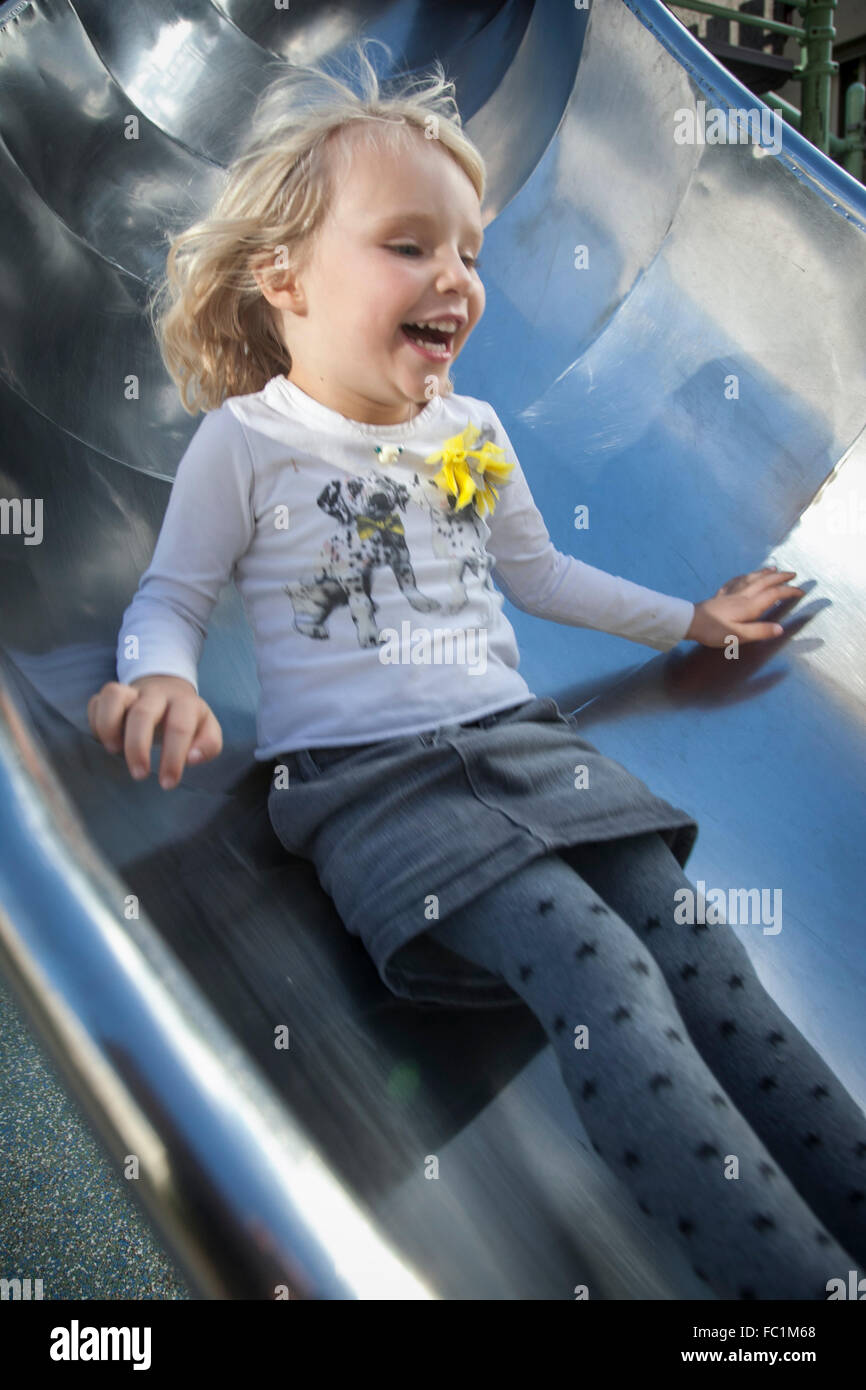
[(736, 609), (128, 719)]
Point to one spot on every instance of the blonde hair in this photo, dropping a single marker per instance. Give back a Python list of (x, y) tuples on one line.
[(217, 334)]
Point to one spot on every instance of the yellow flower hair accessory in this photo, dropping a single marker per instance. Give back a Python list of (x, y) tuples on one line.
[(457, 474)]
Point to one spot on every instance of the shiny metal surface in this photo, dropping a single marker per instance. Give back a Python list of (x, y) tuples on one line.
[(240, 1193), (181, 64), (63, 114), (181, 61), (314, 32), (709, 268)]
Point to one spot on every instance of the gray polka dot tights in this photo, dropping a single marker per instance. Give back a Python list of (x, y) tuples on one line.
[(689, 1062)]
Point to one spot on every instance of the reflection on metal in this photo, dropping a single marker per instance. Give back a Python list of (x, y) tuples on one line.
[(77, 117), (240, 1193), (647, 306)]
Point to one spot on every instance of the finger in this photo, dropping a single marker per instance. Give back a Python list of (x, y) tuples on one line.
[(208, 740), (764, 592), (181, 722), (757, 579), (757, 632), (747, 609), (141, 720), (106, 711), (92, 714), (740, 582), (773, 579), (763, 579), (765, 570)]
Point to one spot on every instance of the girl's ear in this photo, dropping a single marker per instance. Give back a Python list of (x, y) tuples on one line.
[(278, 281)]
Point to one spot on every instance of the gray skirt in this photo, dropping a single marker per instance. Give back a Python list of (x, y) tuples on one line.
[(405, 831)]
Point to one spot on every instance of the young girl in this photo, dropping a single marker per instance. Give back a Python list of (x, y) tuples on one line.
[(482, 851)]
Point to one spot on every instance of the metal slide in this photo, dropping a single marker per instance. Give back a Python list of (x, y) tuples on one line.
[(674, 340)]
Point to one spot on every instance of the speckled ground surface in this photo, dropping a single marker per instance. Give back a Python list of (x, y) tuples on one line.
[(66, 1216)]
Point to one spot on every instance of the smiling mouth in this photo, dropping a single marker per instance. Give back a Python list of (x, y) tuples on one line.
[(433, 343)]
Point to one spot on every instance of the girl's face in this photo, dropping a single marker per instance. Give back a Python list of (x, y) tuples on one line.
[(398, 247)]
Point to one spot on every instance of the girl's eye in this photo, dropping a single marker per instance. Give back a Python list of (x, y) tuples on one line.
[(472, 261)]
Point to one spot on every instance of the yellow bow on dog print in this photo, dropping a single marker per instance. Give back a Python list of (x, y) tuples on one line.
[(456, 474)]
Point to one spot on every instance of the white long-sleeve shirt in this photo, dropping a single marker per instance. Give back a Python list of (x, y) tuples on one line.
[(369, 596)]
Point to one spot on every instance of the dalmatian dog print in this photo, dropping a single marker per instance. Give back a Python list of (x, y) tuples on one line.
[(455, 537), (371, 536)]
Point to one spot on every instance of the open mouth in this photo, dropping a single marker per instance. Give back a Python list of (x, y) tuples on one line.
[(433, 343)]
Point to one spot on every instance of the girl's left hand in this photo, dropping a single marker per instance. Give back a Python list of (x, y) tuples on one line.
[(736, 606)]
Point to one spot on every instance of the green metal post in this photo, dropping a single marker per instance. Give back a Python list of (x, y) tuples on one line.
[(817, 72), (838, 147), (855, 129)]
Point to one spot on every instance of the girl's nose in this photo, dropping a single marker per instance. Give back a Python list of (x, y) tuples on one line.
[(455, 274)]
